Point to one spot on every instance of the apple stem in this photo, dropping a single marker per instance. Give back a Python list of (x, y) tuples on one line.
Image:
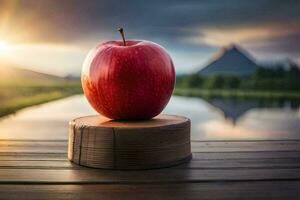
[(123, 35)]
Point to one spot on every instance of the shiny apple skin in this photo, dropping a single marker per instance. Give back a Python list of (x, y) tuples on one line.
[(131, 82)]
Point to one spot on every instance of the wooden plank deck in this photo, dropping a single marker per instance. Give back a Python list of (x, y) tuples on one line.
[(218, 170)]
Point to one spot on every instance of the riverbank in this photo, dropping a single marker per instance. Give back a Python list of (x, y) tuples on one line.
[(15, 97), (240, 94)]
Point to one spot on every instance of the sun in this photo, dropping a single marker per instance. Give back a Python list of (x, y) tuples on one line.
[(4, 46)]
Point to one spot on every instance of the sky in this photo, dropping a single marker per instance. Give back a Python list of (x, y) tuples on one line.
[(54, 36)]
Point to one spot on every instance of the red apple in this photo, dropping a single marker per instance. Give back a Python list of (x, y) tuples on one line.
[(128, 80)]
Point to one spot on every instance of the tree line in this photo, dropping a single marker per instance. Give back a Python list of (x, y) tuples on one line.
[(263, 79)]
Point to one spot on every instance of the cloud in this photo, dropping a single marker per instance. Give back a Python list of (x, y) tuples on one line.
[(185, 28), (241, 34), (223, 37), (62, 21)]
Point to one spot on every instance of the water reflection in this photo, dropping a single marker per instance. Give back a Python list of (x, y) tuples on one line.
[(212, 119), (223, 119), (233, 109)]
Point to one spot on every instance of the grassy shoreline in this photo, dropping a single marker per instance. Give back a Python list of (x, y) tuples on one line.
[(242, 94), (14, 98), (17, 104)]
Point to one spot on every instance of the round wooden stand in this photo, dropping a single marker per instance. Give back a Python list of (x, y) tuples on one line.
[(101, 143)]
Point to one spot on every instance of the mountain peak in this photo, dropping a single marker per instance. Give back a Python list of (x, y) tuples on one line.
[(230, 60), (234, 48)]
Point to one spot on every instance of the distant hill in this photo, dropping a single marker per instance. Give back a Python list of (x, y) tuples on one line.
[(11, 73), (73, 77), (232, 60)]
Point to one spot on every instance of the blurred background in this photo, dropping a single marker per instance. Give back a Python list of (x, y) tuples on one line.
[(237, 62)]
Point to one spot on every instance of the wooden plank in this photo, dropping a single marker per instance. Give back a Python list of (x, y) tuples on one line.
[(41, 149), (32, 156), (207, 147), (246, 155), (258, 163), (40, 164), (31, 146), (206, 155), (90, 176), (33, 142), (207, 191), (239, 146), (261, 157)]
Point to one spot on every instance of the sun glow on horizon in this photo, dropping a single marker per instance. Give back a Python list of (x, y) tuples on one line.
[(58, 59), (4, 47)]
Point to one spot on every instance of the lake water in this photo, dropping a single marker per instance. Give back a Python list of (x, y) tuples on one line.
[(216, 119)]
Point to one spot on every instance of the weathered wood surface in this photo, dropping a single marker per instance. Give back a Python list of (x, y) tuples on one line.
[(219, 170)]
